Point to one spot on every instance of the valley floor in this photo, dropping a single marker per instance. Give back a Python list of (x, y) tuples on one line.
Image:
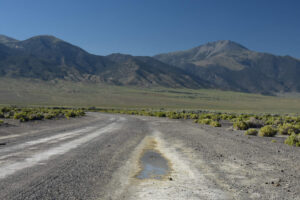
[(33, 92), (99, 157)]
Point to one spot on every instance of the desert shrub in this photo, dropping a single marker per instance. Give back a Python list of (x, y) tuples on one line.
[(277, 122), (290, 119), (9, 114), (70, 114), (227, 116), (251, 131), (215, 117), (286, 129), (269, 121), (50, 116), (267, 131), (215, 124), (240, 125), (79, 113), (74, 113), (205, 121), (293, 140), (160, 114), (241, 117), (205, 116), (184, 115), (253, 122), (193, 116), (272, 120), (22, 116), (35, 116), (245, 116), (5, 109), (173, 115), (297, 128), (29, 114)]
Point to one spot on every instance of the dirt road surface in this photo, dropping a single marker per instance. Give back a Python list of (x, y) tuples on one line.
[(112, 157)]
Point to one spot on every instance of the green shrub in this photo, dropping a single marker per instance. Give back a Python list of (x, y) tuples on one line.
[(240, 125), (205, 121), (215, 117), (161, 114), (286, 129), (36, 116), (22, 116), (1, 122), (254, 123), (50, 116), (29, 114), (289, 119), (204, 116), (80, 113), (227, 116), (251, 131), (215, 124), (173, 115), (297, 128), (193, 116), (5, 109), (273, 120), (293, 140), (267, 131), (70, 114)]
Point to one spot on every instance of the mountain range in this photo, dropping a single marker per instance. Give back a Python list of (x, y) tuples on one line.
[(222, 65)]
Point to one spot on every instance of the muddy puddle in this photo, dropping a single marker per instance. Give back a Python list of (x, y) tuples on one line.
[(154, 166)]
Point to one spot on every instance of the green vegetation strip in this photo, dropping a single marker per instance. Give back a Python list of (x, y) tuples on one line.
[(31, 114), (264, 125)]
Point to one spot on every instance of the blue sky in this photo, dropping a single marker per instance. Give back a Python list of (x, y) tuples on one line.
[(148, 27)]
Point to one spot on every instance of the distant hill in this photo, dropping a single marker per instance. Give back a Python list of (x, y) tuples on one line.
[(231, 66), (222, 65), (147, 71), (48, 58)]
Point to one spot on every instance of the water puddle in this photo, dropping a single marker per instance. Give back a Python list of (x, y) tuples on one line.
[(154, 166)]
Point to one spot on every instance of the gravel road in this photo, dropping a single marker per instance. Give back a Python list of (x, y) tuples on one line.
[(99, 157)]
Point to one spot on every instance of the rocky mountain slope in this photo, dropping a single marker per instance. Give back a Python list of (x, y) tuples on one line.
[(222, 65), (228, 65), (48, 58)]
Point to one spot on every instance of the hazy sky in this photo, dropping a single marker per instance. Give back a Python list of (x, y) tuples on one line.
[(148, 27)]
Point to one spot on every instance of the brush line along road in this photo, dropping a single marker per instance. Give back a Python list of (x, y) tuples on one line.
[(98, 157)]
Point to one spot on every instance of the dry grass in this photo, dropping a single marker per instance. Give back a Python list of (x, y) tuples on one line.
[(64, 93)]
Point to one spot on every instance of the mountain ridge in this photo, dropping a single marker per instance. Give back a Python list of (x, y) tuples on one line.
[(222, 64), (47, 57), (238, 68)]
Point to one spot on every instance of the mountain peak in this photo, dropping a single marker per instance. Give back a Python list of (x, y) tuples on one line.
[(227, 44), (219, 46), (44, 38), (209, 54), (5, 39)]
